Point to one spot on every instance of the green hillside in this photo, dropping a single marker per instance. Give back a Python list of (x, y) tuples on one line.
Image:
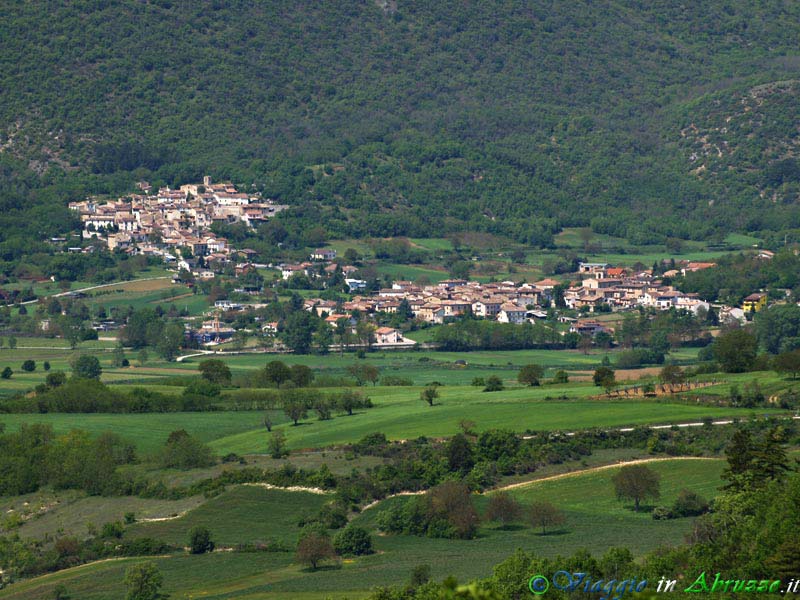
[(413, 118)]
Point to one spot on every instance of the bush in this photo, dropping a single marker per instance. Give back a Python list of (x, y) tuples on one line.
[(112, 530), (478, 382), (631, 359), (7, 373), (200, 541), (353, 541), (689, 504), (182, 451), (662, 513), (494, 384), (394, 380), (561, 376), (29, 366)]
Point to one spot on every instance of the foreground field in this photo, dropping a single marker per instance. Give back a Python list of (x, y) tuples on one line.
[(595, 520)]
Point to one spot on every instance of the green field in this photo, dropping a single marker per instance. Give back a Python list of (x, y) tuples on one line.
[(147, 431), (398, 412), (595, 520), (242, 514)]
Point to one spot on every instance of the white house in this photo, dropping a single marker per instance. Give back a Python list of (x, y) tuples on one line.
[(511, 313)]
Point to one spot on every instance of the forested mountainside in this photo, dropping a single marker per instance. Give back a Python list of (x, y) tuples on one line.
[(642, 119)]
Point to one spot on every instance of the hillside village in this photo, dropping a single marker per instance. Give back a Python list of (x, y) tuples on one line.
[(175, 225), (161, 224)]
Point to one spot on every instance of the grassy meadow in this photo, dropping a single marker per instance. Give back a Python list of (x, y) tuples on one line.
[(595, 520)]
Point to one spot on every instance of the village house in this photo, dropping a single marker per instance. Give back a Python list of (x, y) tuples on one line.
[(323, 254), (754, 302)]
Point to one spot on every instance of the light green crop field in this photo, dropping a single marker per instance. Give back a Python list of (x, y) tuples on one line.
[(434, 244), (595, 520), (242, 514), (400, 414), (147, 431)]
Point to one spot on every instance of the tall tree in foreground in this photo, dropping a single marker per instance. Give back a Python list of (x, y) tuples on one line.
[(637, 483)]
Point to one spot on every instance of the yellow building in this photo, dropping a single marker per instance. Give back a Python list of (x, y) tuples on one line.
[(754, 302)]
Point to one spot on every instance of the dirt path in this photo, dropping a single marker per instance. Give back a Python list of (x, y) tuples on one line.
[(522, 484), (624, 463)]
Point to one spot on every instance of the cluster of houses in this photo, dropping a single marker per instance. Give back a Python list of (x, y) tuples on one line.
[(163, 222), (509, 302), (620, 289)]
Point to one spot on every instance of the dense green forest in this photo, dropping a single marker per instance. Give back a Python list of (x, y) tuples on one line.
[(643, 120)]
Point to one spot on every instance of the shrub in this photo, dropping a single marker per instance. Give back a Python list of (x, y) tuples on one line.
[(200, 541), (494, 384), (353, 541), (394, 380), (112, 530), (29, 366), (662, 513), (689, 504)]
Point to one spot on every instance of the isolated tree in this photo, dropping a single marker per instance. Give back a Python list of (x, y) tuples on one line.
[(672, 375), (604, 377), (352, 541), (46, 365), (503, 508), (544, 514), (429, 394), (637, 483), (144, 582), (12, 342), (561, 376), (313, 548), (86, 366), (277, 445), (363, 373), (200, 540), (142, 357), (531, 375), (215, 371), (7, 373), (295, 409), (29, 366), (276, 372), (349, 400), (787, 362), (735, 350)]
